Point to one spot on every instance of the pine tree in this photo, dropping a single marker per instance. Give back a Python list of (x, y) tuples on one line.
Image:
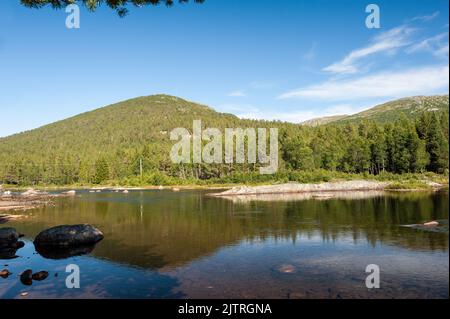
[(435, 147), (101, 171)]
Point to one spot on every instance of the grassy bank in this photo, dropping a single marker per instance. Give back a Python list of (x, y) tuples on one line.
[(154, 180)]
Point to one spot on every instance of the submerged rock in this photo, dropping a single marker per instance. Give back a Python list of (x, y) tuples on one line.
[(26, 277), (40, 275), (286, 269), (6, 218), (69, 235), (5, 273)]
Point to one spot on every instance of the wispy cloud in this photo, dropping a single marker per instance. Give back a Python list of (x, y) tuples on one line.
[(426, 18), (383, 43), (237, 93), (311, 54), (425, 80), (437, 45)]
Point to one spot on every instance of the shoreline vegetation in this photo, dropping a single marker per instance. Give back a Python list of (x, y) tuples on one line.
[(312, 185), (406, 181)]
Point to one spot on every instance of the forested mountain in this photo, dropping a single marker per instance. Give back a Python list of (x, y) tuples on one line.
[(411, 107), (112, 143)]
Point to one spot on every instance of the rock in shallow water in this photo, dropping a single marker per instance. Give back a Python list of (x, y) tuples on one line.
[(69, 235), (5, 273), (39, 276), (431, 224), (26, 277), (8, 235), (286, 269)]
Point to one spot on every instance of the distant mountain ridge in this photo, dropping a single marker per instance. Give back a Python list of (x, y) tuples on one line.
[(323, 120), (410, 107)]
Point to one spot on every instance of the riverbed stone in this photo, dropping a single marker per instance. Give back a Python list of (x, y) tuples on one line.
[(4, 273), (69, 235), (8, 235), (40, 275), (26, 277)]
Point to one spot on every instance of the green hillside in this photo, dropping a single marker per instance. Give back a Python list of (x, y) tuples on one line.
[(111, 144), (112, 128), (411, 107)]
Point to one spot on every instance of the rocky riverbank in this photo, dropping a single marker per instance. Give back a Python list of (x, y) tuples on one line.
[(328, 187), (289, 188), (14, 201)]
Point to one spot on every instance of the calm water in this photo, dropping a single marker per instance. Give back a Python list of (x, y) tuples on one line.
[(163, 244)]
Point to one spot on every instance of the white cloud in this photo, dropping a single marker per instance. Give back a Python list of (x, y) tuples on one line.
[(386, 42), (237, 93), (437, 45), (426, 18), (426, 80)]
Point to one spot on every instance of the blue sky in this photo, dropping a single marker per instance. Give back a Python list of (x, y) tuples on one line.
[(290, 60)]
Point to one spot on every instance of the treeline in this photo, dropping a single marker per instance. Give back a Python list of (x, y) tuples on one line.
[(405, 146)]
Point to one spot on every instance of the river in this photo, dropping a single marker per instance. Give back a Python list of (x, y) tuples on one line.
[(164, 244)]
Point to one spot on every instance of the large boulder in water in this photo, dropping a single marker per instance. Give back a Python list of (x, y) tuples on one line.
[(69, 235), (8, 235)]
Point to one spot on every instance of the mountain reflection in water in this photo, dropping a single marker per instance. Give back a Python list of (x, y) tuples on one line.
[(185, 239)]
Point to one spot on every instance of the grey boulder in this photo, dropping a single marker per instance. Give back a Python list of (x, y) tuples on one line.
[(69, 235)]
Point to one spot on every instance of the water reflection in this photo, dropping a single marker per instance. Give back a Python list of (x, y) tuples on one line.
[(9, 251), (195, 240), (55, 252)]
